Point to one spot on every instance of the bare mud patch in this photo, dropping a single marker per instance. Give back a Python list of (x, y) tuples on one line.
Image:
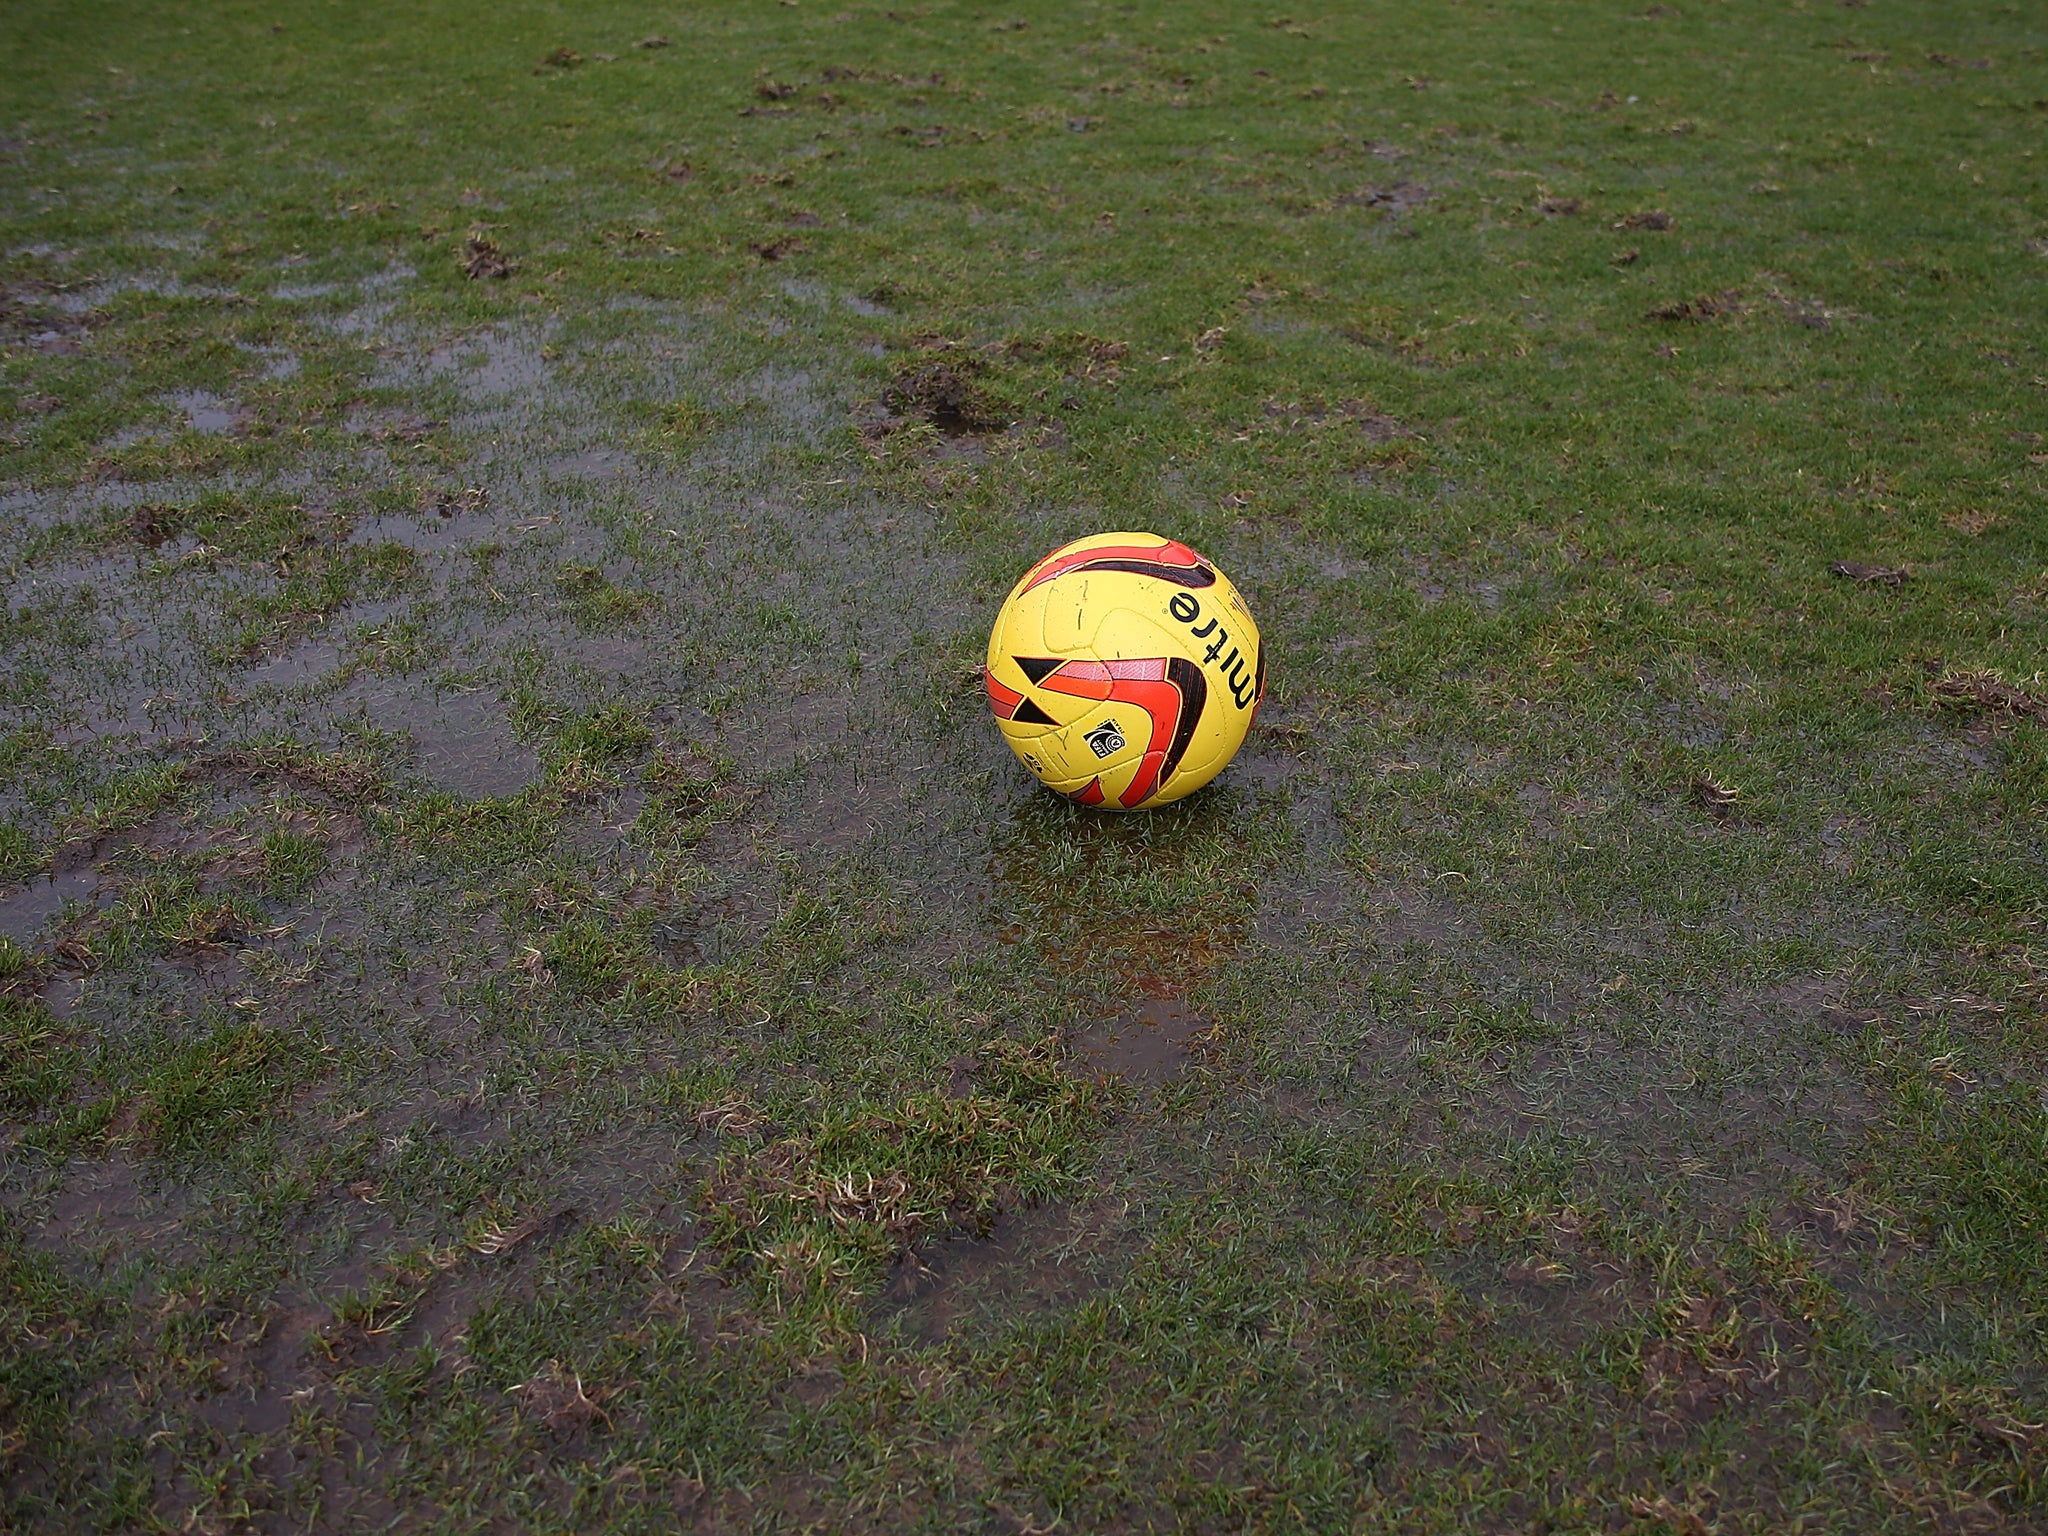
[(107, 1211), (1407, 916), (1033, 1263), (1152, 1040)]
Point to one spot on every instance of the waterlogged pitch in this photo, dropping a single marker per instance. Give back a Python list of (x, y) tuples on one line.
[(533, 995)]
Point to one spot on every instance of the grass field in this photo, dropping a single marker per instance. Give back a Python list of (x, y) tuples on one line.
[(535, 999)]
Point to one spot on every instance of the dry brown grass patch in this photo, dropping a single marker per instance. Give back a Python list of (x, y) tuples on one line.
[(557, 1397), (1985, 691)]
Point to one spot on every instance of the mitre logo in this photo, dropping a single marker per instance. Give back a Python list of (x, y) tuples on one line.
[(1242, 677)]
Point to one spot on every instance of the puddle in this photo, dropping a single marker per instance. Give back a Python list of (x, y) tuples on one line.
[(299, 665), (401, 528), (128, 437), (793, 735), (1027, 1265), (1151, 1041), (205, 412), (467, 748), (320, 653), (124, 717), (510, 363), (592, 464), (616, 655), (27, 912)]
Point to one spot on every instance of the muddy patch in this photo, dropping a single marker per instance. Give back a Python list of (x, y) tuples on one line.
[(1034, 1262), (1292, 907), (1576, 1295), (945, 395), (1151, 1041), (790, 738), (1404, 915), (104, 1210), (267, 1375), (834, 816)]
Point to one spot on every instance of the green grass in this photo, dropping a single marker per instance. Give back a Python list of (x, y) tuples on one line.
[(556, 1012)]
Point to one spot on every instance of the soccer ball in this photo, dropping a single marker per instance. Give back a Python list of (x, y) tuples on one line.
[(1124, 670)]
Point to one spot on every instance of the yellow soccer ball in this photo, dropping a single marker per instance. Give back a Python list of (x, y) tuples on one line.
[(1125, 670)]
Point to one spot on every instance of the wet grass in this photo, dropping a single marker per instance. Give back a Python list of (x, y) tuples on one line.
[(531, 995)]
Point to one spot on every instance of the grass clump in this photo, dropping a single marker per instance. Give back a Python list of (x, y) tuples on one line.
[(821, 1212), (312, 589), (680, 424), (587, 959), (38, 1057), (212, 1092), (597, 602), (19, 857), (71, 1462), (479, 834), (292, 861), (351, 775), (229, 525)]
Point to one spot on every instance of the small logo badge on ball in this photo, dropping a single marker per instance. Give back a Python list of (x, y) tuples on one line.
[(1106, 740)]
